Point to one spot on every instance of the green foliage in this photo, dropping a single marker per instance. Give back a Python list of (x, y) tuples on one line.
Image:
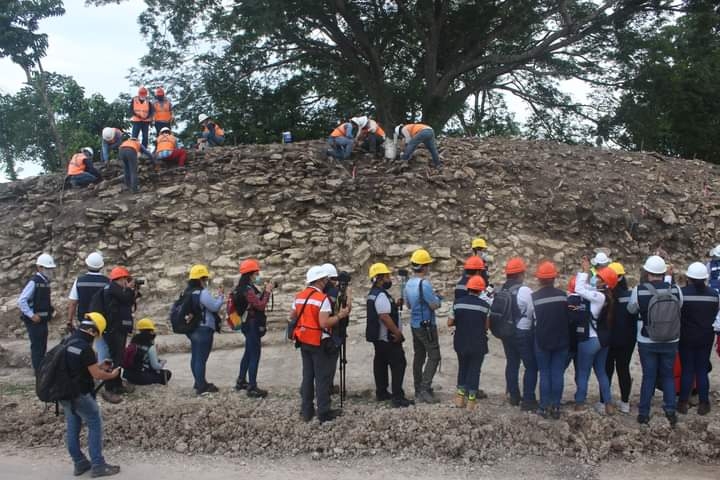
[(18, 27)]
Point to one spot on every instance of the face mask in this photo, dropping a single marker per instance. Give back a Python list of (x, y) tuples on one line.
[(593, 282), (47, 274), (387, 284), (258, 280)]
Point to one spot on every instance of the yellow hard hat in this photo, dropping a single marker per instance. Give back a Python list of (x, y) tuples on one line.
[(98, 320), (421, 257), (479, 243), (198, 271), (617, 267), (378, 269), (145, 324)]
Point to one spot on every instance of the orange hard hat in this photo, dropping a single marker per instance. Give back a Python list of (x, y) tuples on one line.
[(515, 265), (119, 272), (609, 276), (571, 285), (159, 92), (546, 271), (142, 91), (476, 283), (474, 263), (250, 265)]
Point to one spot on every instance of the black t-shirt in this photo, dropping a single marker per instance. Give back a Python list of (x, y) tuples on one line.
[(80, 355)]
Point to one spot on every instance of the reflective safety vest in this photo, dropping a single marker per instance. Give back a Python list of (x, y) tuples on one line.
[(166, 142), (163, 111), (415, 128), (141, 110), (378, 129), (76, 165), (340, 131), (130, 143), (219, 132), (308, 330)]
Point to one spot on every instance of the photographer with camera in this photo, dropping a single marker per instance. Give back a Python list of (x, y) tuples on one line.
[(116, 301), (337, 290), (420, 296), (254, 323)]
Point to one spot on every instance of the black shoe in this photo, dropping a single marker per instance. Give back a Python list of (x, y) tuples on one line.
[(401, 402), (256, 392), (555, 413), (514, 401), (211, 388), (672, 418), (643, 419), (82, 467), (529, 405), (383, 396), (104, 470), (307, 416), (330, 416), (241, 385)]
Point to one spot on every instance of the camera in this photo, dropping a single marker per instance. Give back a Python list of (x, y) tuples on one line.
[(403, 272), (276, 284), (344, 279), (139, 282)]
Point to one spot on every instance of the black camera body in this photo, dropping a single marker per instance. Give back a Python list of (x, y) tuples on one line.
[(139, 282), (403, 272), (344, 279)]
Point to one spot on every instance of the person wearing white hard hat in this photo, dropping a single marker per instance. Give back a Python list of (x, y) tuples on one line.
[(212, 135), (370, 135), (700, 308), (313, 321), (341, 140), (332, 290), (83, 289), (599, 261), (713, 268), (658, 303), (111, 140), (80, 171), (166, 149), (36, 308), (413, 134)]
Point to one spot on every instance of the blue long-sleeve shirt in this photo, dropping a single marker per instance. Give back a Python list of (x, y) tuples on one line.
[(420, 310), (26, 295), (211, 305)]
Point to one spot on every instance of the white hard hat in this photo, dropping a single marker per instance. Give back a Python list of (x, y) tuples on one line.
[(315, 273), (655, 265), (95, 261), (698, 271), (88, 150), (330, 269), (600, 258), (360, 121), (108, 134), (45, 260), (202, 117), (715, 252), (164, 129)]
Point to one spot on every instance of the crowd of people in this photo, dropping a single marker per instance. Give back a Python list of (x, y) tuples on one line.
[(594, 324)]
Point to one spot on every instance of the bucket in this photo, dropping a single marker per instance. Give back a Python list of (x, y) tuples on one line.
[(390, 149), (286, 137)]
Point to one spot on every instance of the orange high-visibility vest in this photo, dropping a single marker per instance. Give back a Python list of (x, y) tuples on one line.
[(219, 132), (77, 164), (130, 143), (415, 128), (163, 111), (308, 330), (378, 130), (166, 142), (141, 110), (340, 131)]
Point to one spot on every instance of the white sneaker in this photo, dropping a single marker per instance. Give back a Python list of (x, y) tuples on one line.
[(624, 407), (599, 407)]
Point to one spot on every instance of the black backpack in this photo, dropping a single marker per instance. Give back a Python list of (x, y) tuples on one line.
[(503, 312), (54, 381), (186, 313)]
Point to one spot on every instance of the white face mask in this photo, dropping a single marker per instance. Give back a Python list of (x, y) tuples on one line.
[(47, 273)]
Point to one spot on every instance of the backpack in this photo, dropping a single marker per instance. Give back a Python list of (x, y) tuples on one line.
[(129, 359), (186, 313), (663, 315), (237, 305), (54, 381), (502, 312)]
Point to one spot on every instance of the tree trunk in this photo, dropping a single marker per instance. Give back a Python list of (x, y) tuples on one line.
[(41, 88)]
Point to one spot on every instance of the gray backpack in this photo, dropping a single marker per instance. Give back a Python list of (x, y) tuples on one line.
[(663, 315)]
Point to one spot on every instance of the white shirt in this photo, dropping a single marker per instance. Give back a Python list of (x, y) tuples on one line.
[(383, 307), (597, 300), (525, 304)]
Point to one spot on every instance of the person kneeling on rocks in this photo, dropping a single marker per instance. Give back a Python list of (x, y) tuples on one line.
[(81, 171), (141, 365), (166, 149), (471, 322)]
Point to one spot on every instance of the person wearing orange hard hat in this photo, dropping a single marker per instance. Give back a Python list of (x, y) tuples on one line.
[(248, 299), (162, 111), (474, 265), (142, 112), (552, 339)]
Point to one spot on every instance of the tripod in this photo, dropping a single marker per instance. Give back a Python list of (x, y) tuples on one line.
[(342, 303)]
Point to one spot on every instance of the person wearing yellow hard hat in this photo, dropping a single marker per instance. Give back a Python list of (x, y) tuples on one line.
[(201, 338), (83, 367), (385, 332), (479, 249), (623, 334), (141, 364), (421, 298)]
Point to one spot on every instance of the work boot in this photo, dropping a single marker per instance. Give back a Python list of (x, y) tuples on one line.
[(555, 413), (703, 408), (82, 467), (382, 396), (330, 416), (481, 395), (401, 402), (672, 418), (580, 407), (471, 404), (111, 397), (104, 470), (427, 397), (514, 401), (682, 407), (643, 419), (241, 385), (307, 416), (256, 392), (460, 399)]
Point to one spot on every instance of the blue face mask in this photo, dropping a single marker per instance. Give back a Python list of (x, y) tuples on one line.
[(593, 281), (258, 280)]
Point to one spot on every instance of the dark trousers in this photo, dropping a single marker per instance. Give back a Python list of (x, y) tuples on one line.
[(389, 355), (372, 143), (160, 125), (695, 362), (251, 358), (317, 370), (512, 368), (147, 377), (129, 157), (426, 347), (38, 335), (116, 347), (469, 365), (137, 128), (619, 361)]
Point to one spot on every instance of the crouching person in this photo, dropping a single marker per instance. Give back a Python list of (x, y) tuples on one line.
[(470, 319), (141, 364), (84, 369)]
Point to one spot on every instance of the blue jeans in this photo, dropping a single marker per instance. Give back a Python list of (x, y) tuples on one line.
[(468, 378), (83, 409), (551, 364), (38, 335), (213, 140), (251, 358), (101, 349), (82, 179), (143, 127), (525, 341), (657, 361), (129, 158), (512, 367), (591, 356), (201, 341), (106, 147), (695, 363), (340, 147), (426, 137)]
